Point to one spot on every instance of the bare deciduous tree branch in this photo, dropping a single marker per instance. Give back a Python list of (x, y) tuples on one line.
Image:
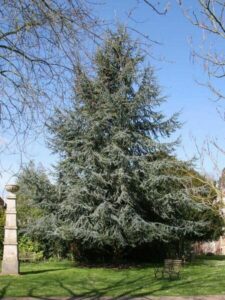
[(155, 9), (38, 44), (209, 16)]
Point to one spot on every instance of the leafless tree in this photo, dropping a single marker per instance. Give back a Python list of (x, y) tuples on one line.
[(38, 42), (209, 16)]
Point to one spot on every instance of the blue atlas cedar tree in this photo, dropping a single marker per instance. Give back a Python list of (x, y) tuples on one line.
[(121, 185)]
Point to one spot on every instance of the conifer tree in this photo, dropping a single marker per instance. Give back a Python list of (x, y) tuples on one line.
[(37, 201), (121, 183)]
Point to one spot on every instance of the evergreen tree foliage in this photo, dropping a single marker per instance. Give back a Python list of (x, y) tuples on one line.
[(208, 193), (121, 185), (37, 201), (33, 191)]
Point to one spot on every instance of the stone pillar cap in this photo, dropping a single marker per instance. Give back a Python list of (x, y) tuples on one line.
[(12, 188)]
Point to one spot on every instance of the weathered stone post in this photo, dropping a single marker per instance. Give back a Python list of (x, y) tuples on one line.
[(10, 262)]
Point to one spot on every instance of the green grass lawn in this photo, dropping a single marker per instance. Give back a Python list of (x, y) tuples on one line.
[(204, 277)]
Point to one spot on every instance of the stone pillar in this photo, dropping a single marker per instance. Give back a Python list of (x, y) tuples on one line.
[(10, 262)]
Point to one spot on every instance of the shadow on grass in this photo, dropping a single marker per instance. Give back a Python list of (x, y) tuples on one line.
[(117, 266), (41, 271), (128, 287), (97, 293), (3, 290), (210, 257)]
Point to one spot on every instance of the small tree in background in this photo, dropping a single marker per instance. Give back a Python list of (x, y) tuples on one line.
[(37, 199), (204, 190)]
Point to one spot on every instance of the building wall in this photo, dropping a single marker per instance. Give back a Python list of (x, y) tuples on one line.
[(215, 247)]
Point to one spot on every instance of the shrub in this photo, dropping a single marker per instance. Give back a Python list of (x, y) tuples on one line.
[(28, 247)]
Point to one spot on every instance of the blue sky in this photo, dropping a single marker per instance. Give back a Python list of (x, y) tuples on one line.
[(176, 73)]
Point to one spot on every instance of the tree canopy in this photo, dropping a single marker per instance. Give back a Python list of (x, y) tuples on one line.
[(121, 186)]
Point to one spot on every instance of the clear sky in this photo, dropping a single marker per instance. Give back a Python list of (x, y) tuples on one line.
[(176, 73)]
